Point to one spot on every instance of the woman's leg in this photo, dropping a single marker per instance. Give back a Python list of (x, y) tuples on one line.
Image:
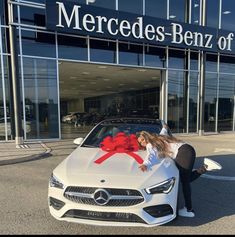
[(184, 161), (185, 179)]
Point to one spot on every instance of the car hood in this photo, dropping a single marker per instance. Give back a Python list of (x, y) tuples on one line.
[(118, 170)]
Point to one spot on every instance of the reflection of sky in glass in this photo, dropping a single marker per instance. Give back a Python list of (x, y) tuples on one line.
[(177, 10), (111, 4), (195, 12), (212, 13), (226, 86), (134, 6), (156, 8), (228, 15), (40, 73), (211, 62), (210, 87)]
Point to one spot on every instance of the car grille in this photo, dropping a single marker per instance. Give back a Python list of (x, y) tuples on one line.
[(116, 197), (104, 216)]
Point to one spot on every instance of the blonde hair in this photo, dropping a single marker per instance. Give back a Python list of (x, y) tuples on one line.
[(160, 142)]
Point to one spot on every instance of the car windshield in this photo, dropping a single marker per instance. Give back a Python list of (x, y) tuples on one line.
[(106, 129)]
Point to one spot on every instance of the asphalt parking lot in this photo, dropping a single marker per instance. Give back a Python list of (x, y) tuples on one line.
[(24, 187)]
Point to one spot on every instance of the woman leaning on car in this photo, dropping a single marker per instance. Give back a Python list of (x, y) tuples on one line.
[(160, 146)]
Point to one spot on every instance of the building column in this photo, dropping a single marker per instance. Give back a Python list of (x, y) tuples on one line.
[(15, 77), (202, 76)]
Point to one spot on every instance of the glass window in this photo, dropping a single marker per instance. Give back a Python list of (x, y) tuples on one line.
[(177, 10), (176, 59), (35, 1), (156, 8), (226, 102), (211, 62), (72, 48), (3, 38), (227, 64), (102, 51), (133, 6), (176, 114), (38, 44), (2, 111), (32, 16), (210, 101), (228, 15), (212, 13), (155, 57), (195, 12), (194, 60), (41, 98), (2, 13), (7, 101), (193, 98), (111, 4), (131, 54)]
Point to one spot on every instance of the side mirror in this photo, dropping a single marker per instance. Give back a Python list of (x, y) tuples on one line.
[(78, 141)]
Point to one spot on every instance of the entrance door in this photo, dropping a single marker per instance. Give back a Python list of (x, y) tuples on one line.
[(90, 93)]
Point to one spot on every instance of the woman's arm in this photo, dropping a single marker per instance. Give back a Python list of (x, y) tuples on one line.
[(150, 159)]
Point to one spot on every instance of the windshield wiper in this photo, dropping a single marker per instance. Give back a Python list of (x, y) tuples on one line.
[(91, 146)]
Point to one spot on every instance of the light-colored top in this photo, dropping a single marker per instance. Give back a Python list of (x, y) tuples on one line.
[(151, 157), (174, 147), (164, 131)]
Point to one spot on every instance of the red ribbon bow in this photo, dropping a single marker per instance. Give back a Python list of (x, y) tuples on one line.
[(121, 143)]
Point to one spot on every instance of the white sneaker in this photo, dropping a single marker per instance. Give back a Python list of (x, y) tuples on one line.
[(211, 165), (185, 213)]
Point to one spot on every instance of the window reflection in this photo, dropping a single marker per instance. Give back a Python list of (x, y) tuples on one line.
[(210, 101), (102, 51), (32, 16), (38, 44), (227, 64), (212, 13), (211, 62), (176, 119), (176, 59), (193, 98), (41, 98), (228, 15), (195, 12), (130, 54), (155, 57), (194, 60), (133, 6), (72, 47), (156, 8), (111, 4), (177, 10), (226, 102)]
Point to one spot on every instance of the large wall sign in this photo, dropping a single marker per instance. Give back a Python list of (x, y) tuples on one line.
[(71, 17)]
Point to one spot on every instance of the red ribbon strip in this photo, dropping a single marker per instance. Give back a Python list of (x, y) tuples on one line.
[(121, 143)]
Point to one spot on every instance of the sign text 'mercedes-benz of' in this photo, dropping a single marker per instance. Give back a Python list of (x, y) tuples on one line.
[(99, 22)]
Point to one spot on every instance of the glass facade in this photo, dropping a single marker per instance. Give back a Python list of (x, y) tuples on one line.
[(44, 87)]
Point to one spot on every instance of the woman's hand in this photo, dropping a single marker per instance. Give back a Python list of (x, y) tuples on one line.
[(143, 168)]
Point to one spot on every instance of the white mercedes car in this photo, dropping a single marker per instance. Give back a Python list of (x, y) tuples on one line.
[(100, 183)]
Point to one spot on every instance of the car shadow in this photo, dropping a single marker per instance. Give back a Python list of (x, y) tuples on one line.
[(212, 195)]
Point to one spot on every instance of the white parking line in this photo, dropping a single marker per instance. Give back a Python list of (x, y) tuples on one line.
[(224, 178)]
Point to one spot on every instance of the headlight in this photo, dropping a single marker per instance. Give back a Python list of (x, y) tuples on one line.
[(164, 187), (55, 182)]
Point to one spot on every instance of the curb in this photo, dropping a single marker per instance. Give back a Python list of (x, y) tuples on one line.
[(42, 155)]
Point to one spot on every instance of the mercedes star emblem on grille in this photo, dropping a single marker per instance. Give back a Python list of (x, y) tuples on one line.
[(101, 197)]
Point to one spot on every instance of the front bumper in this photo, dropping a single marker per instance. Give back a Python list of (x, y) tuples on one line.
[(155, 210)]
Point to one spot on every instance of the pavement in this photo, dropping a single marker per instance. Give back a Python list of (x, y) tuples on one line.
[(215, 145), (12, 154)]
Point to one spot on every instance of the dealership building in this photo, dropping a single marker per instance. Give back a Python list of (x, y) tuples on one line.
[(96, 59)]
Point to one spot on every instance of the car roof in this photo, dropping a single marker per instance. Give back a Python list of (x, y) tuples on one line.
[(131, 120)]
